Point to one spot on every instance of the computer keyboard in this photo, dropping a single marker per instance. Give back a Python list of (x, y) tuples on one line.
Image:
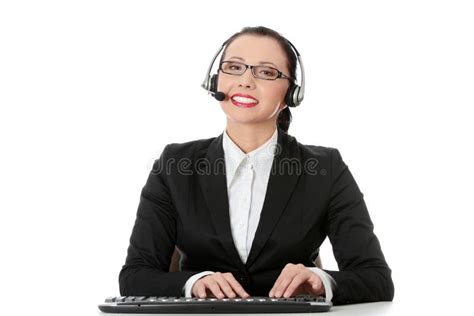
[(188, 305)]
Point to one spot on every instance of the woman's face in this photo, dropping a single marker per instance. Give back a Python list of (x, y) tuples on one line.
[(268, 95)]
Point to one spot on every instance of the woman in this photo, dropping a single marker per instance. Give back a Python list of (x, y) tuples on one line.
[(248, 210)]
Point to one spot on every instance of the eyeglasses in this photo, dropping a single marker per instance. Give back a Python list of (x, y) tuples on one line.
[(261, 72)]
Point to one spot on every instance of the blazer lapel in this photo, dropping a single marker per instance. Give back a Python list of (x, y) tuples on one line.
[(213, 182), (281, 184)]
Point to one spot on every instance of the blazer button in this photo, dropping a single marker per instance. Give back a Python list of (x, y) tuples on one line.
[(244, 280)]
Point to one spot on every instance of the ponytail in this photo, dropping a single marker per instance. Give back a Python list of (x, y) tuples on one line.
[(284, 119)]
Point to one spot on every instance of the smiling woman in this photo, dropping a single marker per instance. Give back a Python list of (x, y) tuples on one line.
[(254, 226), (243, 88), (274, 60)]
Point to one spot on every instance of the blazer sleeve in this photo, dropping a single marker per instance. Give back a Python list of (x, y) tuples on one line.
[(146, 269), (363, 275)]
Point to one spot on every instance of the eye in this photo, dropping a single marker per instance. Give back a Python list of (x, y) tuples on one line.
[(235, 67), (268, 72)]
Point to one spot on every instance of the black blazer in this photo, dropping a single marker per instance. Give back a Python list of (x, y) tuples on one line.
[(311, 194)]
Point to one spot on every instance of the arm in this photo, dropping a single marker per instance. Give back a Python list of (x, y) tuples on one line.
[(152, 242), (364, 275)]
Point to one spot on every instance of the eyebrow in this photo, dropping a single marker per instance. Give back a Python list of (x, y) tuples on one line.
[(261, 63)]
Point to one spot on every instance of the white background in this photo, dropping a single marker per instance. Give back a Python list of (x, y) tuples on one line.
[(92, 91)]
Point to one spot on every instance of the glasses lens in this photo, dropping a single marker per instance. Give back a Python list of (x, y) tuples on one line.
[(263, 72), (233, 67)]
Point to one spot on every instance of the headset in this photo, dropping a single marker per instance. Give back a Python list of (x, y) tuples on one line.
[(294, 95)]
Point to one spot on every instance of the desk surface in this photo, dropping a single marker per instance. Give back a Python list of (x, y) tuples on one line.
[(367, 309), (378, 308)]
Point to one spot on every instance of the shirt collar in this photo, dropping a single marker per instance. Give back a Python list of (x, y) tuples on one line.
[(234, 156)]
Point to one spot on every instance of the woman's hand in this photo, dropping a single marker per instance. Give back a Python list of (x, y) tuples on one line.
[(296, 279), (219, 285)]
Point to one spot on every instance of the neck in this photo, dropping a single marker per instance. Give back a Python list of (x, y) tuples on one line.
[(250, 136)]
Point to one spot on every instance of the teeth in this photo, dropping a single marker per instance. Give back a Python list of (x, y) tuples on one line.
[(244, 100)]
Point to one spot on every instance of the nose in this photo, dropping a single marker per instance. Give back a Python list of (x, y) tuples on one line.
[(247, 80)]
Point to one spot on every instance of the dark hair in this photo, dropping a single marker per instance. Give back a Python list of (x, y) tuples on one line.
[(284, 118)]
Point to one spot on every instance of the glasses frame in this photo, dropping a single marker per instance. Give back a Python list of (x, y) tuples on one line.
[(252, 67)]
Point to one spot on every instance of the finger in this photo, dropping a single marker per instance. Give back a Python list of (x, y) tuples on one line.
[(297, 281), (281, 287), (200, 290), (281, 277), (302, 290), (215, 289), (288, 272), (236, 286), (317, 287), (276, 285), (224, 285), (314, 284)]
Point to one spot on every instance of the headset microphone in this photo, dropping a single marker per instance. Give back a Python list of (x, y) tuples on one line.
[(220, 96)]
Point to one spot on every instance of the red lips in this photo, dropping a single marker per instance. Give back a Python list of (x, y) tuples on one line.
[(242, 104)]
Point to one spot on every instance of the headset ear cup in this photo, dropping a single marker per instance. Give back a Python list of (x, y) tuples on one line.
[(292, 97), (289, 95), (296, 96), (213, 86)]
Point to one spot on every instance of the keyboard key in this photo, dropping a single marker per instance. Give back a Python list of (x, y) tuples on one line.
[(140, 298), (152, 299)]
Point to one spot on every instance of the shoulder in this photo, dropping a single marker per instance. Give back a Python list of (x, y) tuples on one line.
[(187, 149), (317, 151), (325, 157), (322, 163), (176, 157)]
